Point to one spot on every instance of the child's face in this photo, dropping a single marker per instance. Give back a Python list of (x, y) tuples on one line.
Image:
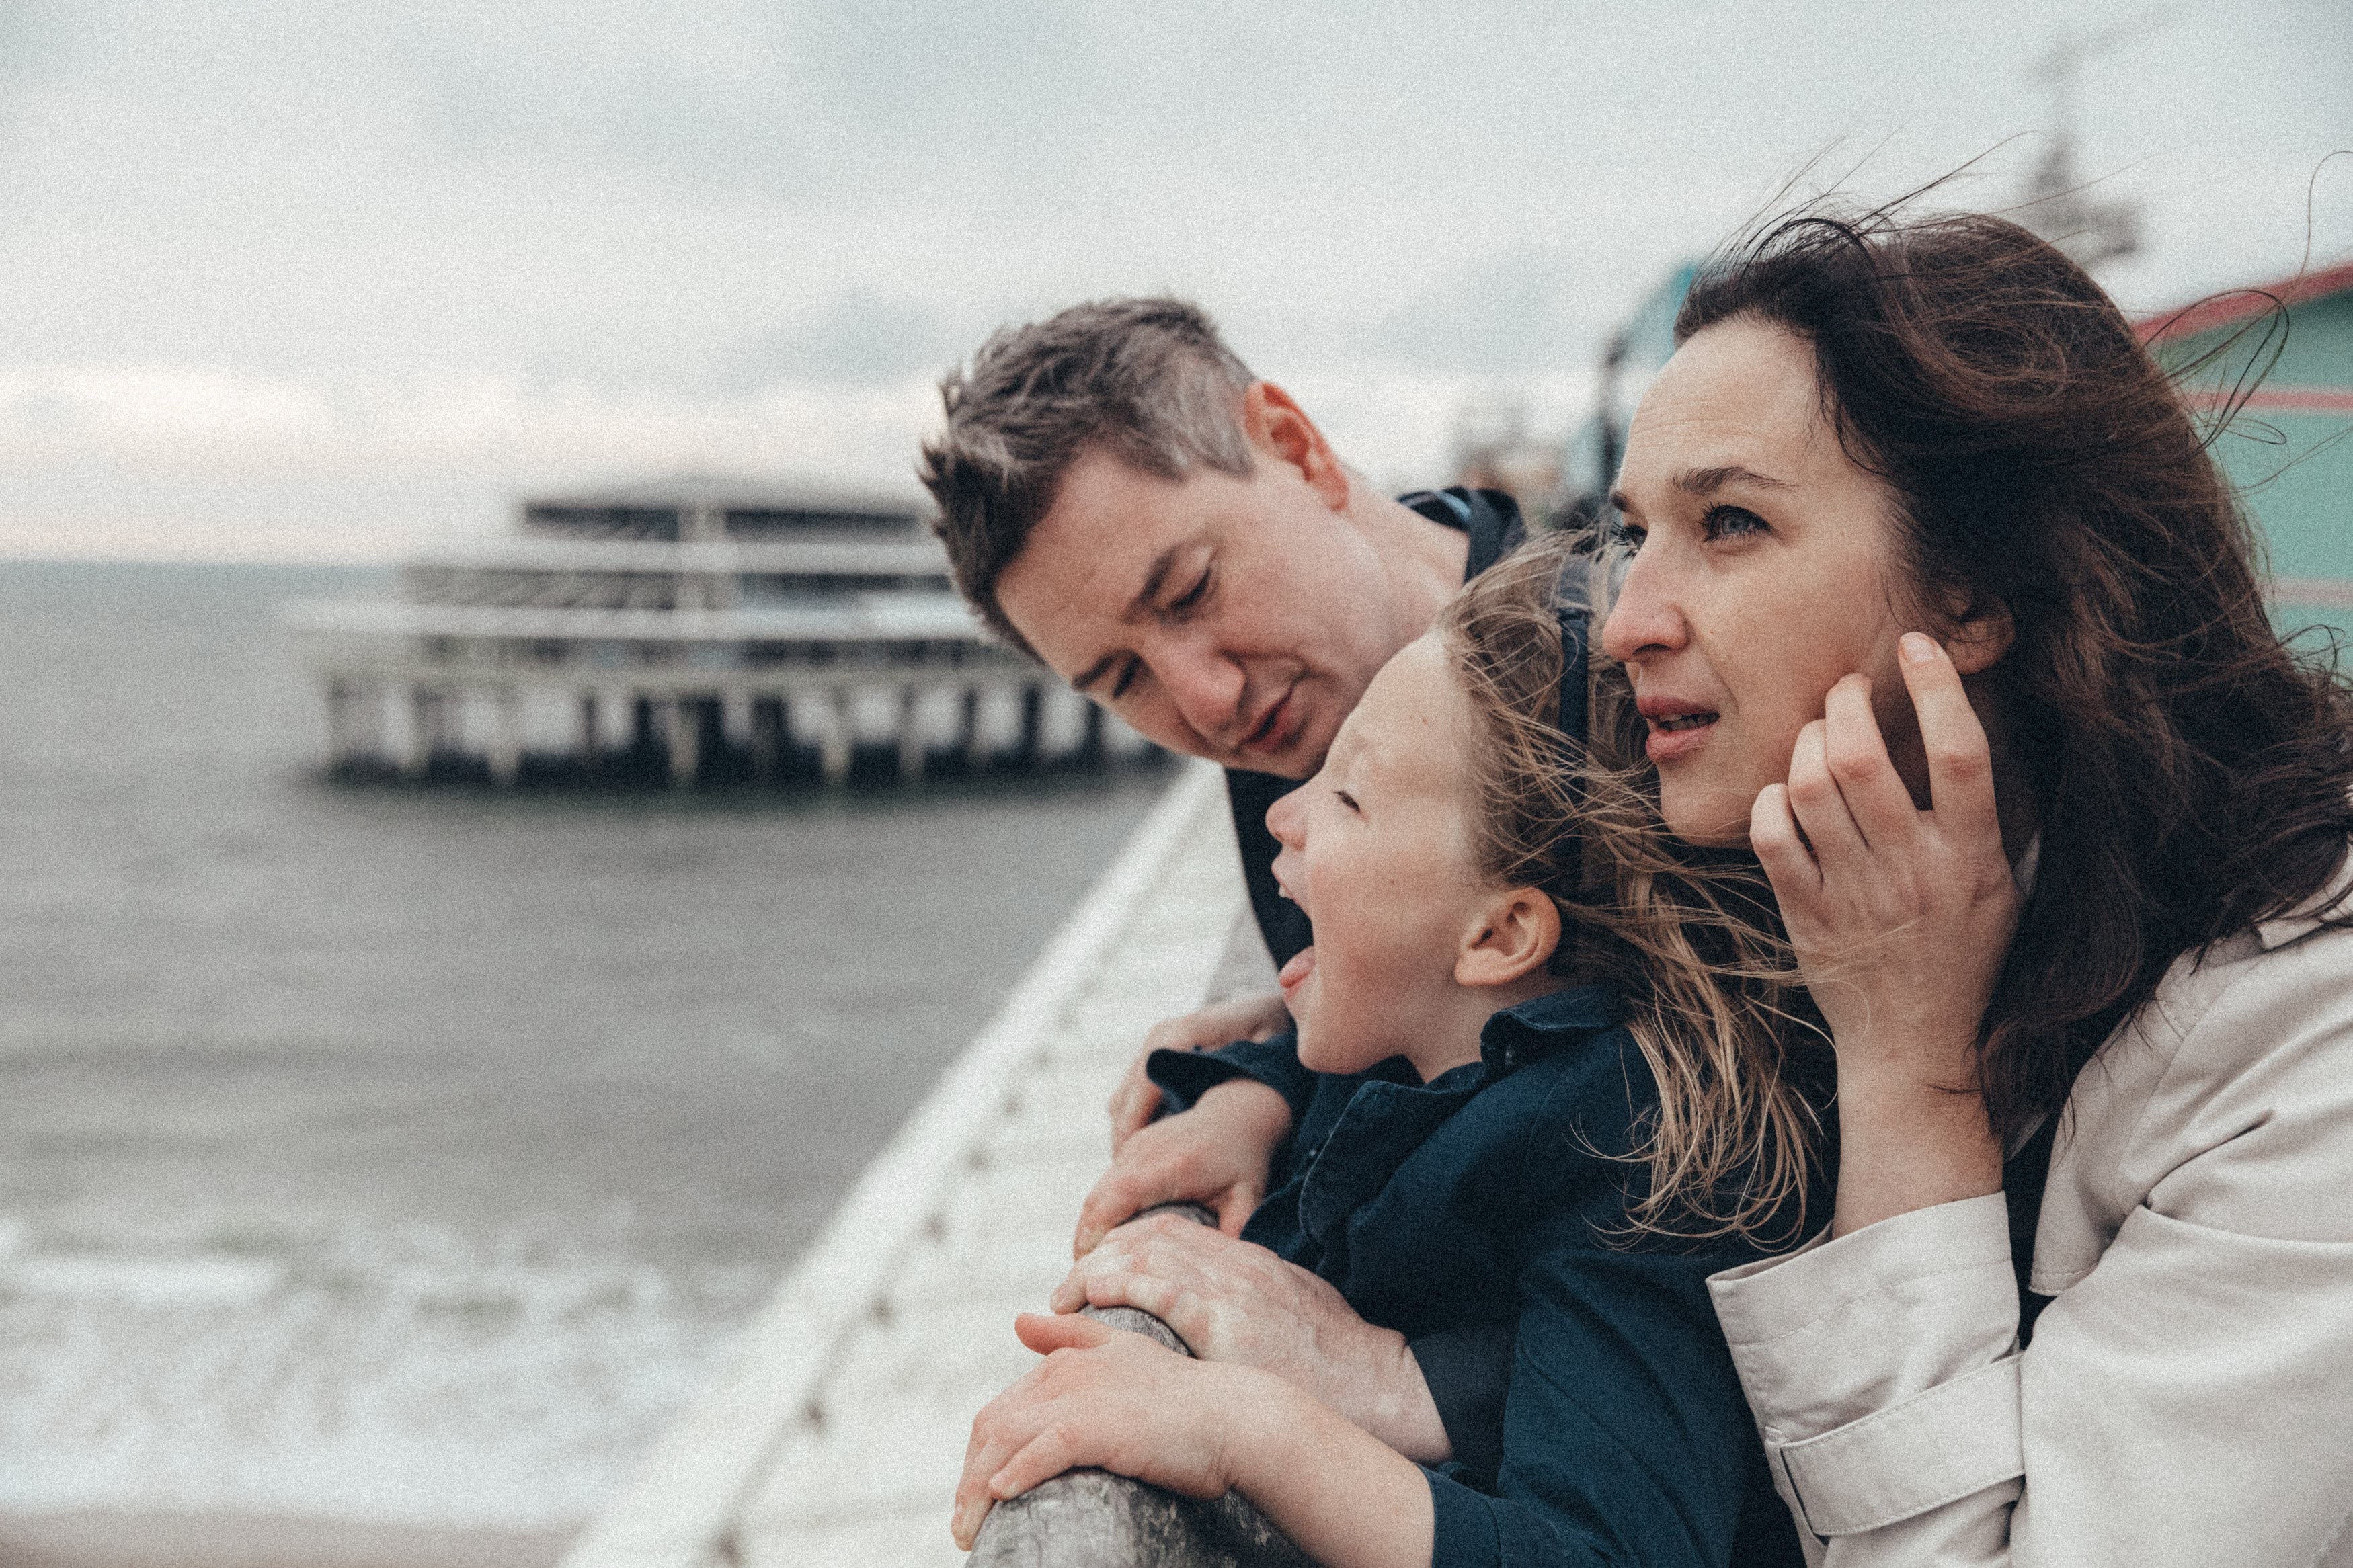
[(1376, 849)]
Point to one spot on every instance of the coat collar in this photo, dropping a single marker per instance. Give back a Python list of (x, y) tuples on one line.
[(2335, 898)]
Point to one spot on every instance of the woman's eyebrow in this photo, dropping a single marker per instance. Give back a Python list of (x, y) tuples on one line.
[(1707, 481)]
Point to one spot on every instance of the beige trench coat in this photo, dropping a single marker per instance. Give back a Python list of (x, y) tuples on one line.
[(2187, 1397)]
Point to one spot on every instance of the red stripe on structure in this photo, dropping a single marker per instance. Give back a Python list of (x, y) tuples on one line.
[(2279, 399), (2239, 304), (2320, 592)]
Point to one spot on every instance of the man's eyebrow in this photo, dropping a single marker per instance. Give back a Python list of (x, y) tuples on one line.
[(1707, 481), (1154, 577)]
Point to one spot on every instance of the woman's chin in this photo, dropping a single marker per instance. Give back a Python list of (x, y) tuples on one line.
[(1709, 819)]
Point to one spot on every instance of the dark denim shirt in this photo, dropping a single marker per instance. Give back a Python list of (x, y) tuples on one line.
[(1493, 1201)]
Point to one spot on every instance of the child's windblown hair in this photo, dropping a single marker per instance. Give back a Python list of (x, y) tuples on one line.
[(1676, 930)]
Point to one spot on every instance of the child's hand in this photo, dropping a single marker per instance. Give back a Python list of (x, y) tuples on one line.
[(1111, 1400), (1216, 1153), (1136, 1103), (1234, 1301)]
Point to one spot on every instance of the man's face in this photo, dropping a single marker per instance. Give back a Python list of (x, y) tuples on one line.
[(1236, 619)]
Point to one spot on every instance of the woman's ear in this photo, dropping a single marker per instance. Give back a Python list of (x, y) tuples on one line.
[(1977, 633), (1512, 935)]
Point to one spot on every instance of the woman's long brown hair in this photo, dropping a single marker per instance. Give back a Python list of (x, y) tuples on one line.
[(2190, 770)]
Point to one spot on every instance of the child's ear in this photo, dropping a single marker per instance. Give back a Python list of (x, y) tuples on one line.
[(1511, 935)]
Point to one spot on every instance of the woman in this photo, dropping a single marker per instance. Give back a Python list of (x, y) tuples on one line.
[(2110, 829), (1473, 1158)]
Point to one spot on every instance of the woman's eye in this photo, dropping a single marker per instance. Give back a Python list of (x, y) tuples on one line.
[(1733, 522), (1127, 673), (1626, 535), (1348, 800)]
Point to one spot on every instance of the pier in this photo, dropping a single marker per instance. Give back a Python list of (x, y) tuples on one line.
[(835, 1433), (695, 631)]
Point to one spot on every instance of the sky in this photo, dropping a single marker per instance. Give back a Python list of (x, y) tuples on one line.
[(335, 280)]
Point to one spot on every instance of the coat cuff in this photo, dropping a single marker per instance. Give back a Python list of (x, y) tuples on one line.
[(1882, 1365), (1463, 1525), (1468, 1370), (1183, 1077)]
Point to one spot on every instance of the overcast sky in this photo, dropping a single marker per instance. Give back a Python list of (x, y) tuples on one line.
[(302, 278)]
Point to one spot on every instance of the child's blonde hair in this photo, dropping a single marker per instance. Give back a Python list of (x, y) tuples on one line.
[(1681, 934)]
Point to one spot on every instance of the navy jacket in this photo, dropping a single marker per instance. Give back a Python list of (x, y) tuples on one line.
[(1488, 1208)]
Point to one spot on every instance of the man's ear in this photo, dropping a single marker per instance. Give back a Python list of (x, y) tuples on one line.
[(1977, 632), (1511, 936), (1280, 432)]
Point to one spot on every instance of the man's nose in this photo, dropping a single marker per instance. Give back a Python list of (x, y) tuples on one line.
[(1644, 617), (1206, 688)]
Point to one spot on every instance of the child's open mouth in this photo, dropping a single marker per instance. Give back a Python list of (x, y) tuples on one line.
[(1295, 972)]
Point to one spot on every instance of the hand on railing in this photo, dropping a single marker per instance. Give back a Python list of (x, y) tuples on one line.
[(1093, 1519)]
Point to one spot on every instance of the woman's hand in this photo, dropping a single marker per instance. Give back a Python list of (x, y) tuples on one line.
[(1112, 1400), (1234, 1301), (1217, 1155), (1136, 1103), (1900, 918)]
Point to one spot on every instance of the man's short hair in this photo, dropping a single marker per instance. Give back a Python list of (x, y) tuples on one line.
[(1146, 380)]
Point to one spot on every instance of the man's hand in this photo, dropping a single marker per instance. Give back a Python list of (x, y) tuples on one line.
[(1232, 1300), (1137, 1102), (1216, 1154)]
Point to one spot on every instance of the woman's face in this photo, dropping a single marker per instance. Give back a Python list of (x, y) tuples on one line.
[(1375, 850), (1764, 571)]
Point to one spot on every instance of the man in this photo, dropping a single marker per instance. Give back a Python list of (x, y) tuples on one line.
[(1120, 497)]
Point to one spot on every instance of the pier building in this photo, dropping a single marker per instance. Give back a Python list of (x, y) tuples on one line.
[(700, 630)]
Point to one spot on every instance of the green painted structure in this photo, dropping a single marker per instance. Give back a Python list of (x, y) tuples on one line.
[(2289, 444)]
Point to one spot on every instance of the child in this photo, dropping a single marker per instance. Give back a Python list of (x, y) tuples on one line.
[(1473, 1158)]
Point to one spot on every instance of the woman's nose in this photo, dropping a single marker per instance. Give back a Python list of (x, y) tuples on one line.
[(1643, 616)]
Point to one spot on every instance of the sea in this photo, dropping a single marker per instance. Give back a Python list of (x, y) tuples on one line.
[(407, 1154)]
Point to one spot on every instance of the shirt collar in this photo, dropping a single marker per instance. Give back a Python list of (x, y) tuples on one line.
[(1518, 1036)]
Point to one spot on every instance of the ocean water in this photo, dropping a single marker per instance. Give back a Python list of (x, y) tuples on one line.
[(408, 1156)]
